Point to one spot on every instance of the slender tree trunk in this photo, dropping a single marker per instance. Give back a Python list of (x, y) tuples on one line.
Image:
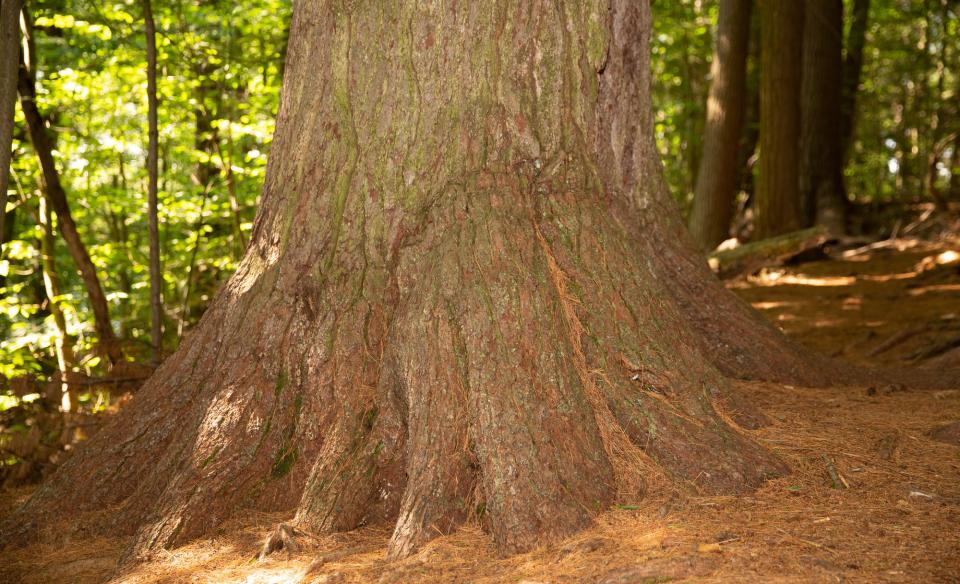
[(717, 178), (206, 136), (156, 277), (777, 204), (188, 286), (9, 51), (239, 240), (955, 170), (750, 137), (64, 352), (821, 138), (852, 68), (57, 199), (121, 237)]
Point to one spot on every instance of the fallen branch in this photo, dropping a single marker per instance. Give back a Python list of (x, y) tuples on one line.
[(838, 481), (334, 556), (750, 257), (934, 350), (895, 340), (806, 541)]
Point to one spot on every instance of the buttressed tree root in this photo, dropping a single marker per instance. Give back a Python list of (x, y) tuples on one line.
[(454, 306)]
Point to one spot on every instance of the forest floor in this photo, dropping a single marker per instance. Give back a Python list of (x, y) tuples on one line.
[(897, 519)]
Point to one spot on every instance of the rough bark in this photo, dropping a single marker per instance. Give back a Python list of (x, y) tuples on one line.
[(447, 309), (467, 296), (852, 67), (821, 139), (57, 198), (777, 202), (9, 51), (717, 178), (156, 279)]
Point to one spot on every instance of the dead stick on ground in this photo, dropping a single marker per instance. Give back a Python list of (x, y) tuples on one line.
[(758, 254), (934, 350), (806, 541), (335, 555), (895, 340), (838, 481)]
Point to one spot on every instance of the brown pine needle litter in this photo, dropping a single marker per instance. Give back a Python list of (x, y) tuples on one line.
[(899, 520)]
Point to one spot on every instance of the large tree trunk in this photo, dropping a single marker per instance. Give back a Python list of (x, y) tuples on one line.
[(9, 51), (467, 296), (447, 309), (717, 178), (777, 203), (821, 138), (57, 197)]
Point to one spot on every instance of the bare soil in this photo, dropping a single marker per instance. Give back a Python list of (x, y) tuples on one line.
[(874, 495)]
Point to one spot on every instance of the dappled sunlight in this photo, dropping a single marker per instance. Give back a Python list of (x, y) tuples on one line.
[(893, 304), (935, 288), (668, 535), (852, 303), (606, 292), (779, 278), (769, 305)]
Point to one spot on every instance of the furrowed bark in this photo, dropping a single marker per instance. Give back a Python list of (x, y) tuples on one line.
[(777, 203), (467, 296), (821, 140)]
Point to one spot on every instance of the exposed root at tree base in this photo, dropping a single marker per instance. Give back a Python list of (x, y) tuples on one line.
[(896, 522)]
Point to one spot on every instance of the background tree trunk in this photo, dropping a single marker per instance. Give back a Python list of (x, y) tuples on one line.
[(750, 137), (156, 278), (408, 338), (57, 198), (9, 51), (777, 203), (64, 351), (852, 67), (717, 178), (821, 138)]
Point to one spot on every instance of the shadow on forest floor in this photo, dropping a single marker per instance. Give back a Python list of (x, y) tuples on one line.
[(873, 497)]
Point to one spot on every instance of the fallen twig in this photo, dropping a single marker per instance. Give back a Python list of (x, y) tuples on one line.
[(895, 340), (806, 541), (838, 481), (934, 350)]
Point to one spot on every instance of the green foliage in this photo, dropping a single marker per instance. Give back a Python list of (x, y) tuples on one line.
[(907, 106), (908, 103), (681, 49), (219, 73)]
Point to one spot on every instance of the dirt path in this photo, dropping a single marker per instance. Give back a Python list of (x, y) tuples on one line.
[(894, 516)]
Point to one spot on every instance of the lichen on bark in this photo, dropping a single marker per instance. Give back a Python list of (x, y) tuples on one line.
[(449, 310)]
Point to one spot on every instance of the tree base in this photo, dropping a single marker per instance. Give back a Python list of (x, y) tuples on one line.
[(515, 365)]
